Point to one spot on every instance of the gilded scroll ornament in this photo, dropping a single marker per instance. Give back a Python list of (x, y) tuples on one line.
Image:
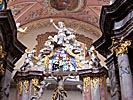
[(2, 70), (2, 55), (86, 81), (35, 84), (95, 81), (20, 85), (26, 85), (119, 46), (101, 81)]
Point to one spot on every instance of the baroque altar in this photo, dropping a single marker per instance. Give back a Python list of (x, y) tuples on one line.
[(62, 58)]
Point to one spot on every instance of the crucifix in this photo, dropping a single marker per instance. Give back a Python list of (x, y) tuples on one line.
[(60, 78)]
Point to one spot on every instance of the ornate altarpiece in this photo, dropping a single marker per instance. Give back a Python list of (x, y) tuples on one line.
[(50, 60)]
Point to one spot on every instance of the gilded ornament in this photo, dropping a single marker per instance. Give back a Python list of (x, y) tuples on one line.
[(120, 46), (26, 85), (46, 59), (2, 70), (20, 84), (2, 55), (35, 84), (86, 81), (76, 56), (102, 81), (95, 81)]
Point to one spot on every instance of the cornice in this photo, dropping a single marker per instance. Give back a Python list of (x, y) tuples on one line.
[(109, 15)]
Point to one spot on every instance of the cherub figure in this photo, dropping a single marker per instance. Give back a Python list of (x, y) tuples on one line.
[(28, 62)]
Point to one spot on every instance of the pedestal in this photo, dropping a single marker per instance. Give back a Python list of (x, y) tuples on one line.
[(28, 84)]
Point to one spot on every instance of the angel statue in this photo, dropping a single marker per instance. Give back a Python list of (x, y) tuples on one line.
[(28, 62), (63, 32), (19, 29)]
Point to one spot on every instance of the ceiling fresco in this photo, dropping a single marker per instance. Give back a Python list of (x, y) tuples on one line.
[(84, 14)]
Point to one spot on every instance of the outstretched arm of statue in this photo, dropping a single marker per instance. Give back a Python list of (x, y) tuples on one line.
[(66, 77), (52, 21), (54, 77)]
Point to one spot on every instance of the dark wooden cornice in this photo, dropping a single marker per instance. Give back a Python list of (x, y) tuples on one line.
[(109, 15), (125, 31), (8, 38)]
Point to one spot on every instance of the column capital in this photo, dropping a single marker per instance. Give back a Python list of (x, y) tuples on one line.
[(119, 46)]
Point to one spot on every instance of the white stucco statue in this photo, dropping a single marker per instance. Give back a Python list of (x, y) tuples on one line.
[(63, 33), (28, 63), (94, 60)]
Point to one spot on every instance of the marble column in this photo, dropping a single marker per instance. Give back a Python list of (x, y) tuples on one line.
[(126, 80), (120, 48), (113, 77), (5, 83)]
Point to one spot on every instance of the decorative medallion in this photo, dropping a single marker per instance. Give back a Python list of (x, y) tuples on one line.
[(69, 5)]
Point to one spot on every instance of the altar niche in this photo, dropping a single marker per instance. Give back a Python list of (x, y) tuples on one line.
[(61, 57)]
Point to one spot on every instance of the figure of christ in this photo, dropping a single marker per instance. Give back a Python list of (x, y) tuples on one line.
[(60, 92)]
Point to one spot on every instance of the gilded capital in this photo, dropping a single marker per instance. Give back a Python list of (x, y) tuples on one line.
[(120, 46)]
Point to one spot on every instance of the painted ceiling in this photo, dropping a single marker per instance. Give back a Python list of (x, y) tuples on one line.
[(78, 14)]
